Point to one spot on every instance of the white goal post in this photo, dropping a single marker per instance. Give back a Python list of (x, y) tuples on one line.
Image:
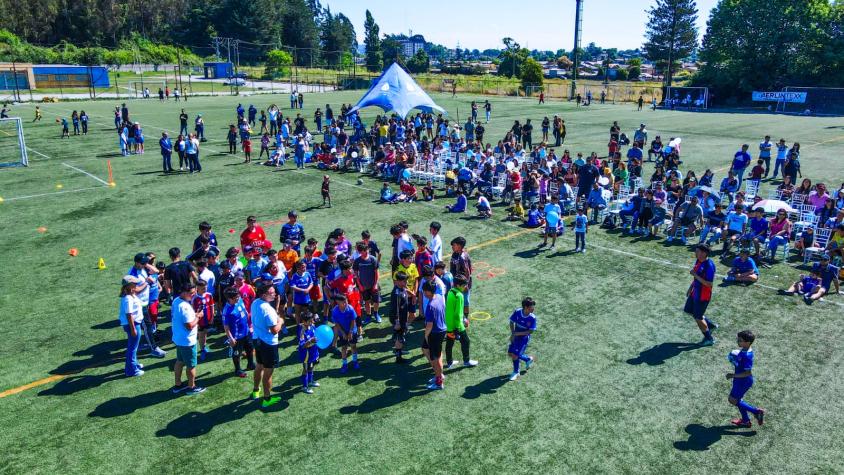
[(138, 86), (12, 144), (689, 98), (533, 90)]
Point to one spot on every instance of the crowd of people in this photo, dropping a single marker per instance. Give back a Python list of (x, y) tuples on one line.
[(539, 187), (251, 294)]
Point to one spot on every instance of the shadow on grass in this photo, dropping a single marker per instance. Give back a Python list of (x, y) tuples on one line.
[(488, 386), (702, 438), (122, 406), (195, 424), (107, 325), (101, 354), (661, 353)]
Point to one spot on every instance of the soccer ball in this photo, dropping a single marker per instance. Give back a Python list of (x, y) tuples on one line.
[(360, 181), (732, 356)]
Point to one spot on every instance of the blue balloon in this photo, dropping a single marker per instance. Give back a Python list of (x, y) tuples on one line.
[(324, 336), (405, 174)]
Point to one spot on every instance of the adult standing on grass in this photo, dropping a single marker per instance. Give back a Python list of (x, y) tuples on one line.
[(130, 318), (700, 293), (166, 152), (740, 162), (147, 275), (199, 127), (765, 154), (184, 325), (179, 274), (266, 325), (435, 329), (183, 123), (192, 153)]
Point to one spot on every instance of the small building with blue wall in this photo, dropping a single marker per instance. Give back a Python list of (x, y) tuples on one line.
[(216, 70)]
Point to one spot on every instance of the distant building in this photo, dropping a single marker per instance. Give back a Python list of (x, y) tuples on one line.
[(412, 44)]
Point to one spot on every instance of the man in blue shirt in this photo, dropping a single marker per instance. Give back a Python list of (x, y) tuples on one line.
[(587, 175), (765, 153), (166, 152), (238, 334), (634, 153), (344, 316), (435, 330), (736, 222), (292, 231), (758, 230), (522, 325), (596, 201), (744, 269), (740, 162)]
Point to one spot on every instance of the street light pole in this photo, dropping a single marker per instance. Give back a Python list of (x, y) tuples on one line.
[(578, 25)]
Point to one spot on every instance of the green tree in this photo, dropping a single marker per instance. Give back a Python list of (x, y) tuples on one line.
[(744, 51), (301, 31), (278, 63), (419, 63), (563, 62), (671, 32), (512, 58), (633, 72), (372, 43), (531, 73), (337, 36)]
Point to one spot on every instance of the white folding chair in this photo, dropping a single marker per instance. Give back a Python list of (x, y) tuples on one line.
[(774, 194), (751, 187), (818, 247), (797, 199)]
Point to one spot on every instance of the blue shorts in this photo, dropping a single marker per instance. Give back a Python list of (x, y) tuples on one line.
[(695, 308), (309, 355), (186, 355), (466, 296), (740, 387), (518, 346)]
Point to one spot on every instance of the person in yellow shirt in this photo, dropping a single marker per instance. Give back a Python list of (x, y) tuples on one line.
[(517, 211), (383, 133), (408, 267)]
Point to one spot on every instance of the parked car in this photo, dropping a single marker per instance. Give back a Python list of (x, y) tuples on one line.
[(235, 82)]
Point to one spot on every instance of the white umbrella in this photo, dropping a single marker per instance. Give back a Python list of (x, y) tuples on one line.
[(772, 206)]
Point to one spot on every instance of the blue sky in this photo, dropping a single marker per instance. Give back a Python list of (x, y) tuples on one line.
[(541, 24)]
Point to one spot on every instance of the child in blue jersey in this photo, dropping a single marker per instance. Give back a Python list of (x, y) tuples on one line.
[(581, 225), (237, 324), (736, 222), (744, 269), (441, 271), (742, 360), (312, 264), (308, 352), (534, 218), (522, 325), (757, 229), (344, 316), (301, 283)]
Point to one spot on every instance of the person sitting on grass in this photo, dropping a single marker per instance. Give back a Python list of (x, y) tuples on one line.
[(535, 218), (408, 192), (460, 205), (516, 212), (428, 191), (809, 287), (744, 268), (483, 206), (387, 195)]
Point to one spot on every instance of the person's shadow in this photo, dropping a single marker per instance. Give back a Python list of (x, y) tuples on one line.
[(659, 354), (487, 386), (702, 438), (195, 424)]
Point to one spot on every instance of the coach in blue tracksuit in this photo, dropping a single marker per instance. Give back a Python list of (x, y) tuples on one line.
[(166, 152)]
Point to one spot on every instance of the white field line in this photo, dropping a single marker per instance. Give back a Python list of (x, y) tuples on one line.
[(86, 173), (15, 198)]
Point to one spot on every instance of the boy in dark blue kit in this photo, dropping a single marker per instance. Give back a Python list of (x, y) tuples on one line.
[(522, 326), (308, 352), (742, 360), (343, 316), (237, 323), (399, 310)]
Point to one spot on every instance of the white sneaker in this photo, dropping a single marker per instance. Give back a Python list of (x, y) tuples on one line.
[(470, 363), (528, 363), (434, 380), (450, 365), (314, 384), (514, 376)]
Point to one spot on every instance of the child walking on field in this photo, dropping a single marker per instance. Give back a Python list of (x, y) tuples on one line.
[(326, 193)]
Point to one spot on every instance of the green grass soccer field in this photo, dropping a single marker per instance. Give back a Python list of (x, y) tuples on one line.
[(618, 386)]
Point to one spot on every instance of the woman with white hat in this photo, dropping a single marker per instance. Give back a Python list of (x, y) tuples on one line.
[(131, 316)]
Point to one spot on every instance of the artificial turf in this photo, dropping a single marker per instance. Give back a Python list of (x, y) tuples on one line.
[(617, 386)]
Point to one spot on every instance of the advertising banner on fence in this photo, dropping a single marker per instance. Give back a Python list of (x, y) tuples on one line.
[(779, 96)]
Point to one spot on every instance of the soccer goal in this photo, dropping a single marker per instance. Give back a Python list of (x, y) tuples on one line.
[(12, 145), (533, 90), (818, 101), (689, 98), (139, 88), (447, 85)]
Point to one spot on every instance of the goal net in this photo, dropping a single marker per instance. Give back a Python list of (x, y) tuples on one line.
[(819, 101), (12, 145), (532, 90), (140, 88), (447, 85), (688, 98)]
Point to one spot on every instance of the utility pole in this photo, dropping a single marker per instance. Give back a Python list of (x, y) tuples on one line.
[(15, 76), (578, 26)]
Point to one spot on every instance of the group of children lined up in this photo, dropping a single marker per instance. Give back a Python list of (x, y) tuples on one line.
[(338, 284)]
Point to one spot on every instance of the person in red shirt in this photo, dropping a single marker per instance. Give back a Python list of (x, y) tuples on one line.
[(423, 256), (514, 184), (246, 291), (613, 147), (253, 235), (408, 190)]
